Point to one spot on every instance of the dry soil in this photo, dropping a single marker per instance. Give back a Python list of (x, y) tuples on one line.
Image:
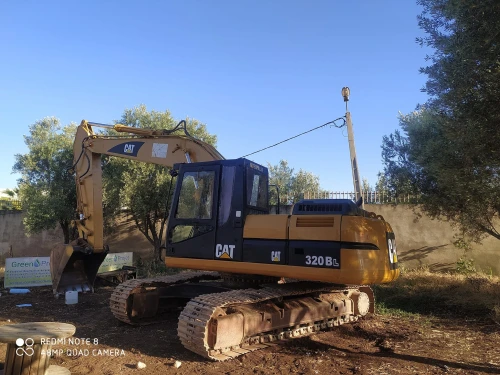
[(379, 344)]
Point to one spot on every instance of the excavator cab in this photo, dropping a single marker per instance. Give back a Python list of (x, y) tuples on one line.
[(210, 204)]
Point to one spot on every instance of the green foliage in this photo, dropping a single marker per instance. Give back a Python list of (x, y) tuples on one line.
[(382, 183), (47, 192), (140, 187), (12, 193), (365, 185), (465, 265), (11, 203), (291, 185), (448, 149), (382, 309), (462, 243), (152, 268)]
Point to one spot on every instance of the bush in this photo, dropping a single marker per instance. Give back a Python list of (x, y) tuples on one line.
[(465, 266), (152, 268)]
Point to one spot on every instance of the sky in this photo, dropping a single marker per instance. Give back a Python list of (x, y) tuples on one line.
[(255, 72)]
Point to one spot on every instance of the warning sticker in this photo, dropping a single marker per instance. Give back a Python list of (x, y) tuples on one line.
[(159, 150)]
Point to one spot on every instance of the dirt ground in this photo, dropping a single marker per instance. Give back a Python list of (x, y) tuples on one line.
[(379, 344)]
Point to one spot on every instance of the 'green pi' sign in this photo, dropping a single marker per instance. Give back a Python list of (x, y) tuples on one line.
[(116, 261)]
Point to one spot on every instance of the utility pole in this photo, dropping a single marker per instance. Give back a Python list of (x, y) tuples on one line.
[(352, 149)]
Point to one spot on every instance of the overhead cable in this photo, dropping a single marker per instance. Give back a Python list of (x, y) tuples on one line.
[(333, 122)]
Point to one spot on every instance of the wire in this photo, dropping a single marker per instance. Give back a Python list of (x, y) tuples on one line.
[(298, 135), (88, 165), (178, 127)]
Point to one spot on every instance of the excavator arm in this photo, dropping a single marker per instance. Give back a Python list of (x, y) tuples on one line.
[(74, 266)]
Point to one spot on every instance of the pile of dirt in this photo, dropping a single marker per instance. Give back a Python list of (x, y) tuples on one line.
[(378, 344)]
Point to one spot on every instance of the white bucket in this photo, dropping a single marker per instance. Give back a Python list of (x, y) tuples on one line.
[(71, 297)]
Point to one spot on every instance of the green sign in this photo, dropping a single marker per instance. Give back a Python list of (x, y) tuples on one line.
[(23, 272), (116, 261), (35, 271)]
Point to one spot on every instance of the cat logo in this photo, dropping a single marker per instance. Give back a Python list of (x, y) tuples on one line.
[(275, 256), (393, 254), (128, 149), (224, 251)]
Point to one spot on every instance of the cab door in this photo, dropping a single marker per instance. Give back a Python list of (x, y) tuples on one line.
[(192, 224)]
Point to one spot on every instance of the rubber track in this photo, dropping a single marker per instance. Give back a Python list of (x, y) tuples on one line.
[(119, 297), (195, 318)]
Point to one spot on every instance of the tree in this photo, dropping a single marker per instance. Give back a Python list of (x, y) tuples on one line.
[(382, 184), (365, 185), (144, 189), (426, 160), (464, 74), (12, 193), (292, 186), (46, 190), (10, 203), (448, 151)]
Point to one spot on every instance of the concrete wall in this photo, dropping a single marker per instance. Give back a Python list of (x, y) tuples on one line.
[(420, 242), (124, 238), (12, 234), (430, 242)]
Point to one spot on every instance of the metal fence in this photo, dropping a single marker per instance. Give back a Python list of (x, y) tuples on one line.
[(369, 197)]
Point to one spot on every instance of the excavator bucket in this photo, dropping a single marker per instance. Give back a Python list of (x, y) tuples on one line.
[(74, 268)]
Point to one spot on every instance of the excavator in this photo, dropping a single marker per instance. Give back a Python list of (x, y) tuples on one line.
[(252, 278)]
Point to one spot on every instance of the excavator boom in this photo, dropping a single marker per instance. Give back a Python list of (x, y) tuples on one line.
[(74, 266)]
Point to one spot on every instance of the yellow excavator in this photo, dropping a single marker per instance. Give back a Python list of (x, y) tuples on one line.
[(259, 278)]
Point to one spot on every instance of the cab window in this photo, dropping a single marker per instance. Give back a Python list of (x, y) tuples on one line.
[(257, 189), (196, 195)]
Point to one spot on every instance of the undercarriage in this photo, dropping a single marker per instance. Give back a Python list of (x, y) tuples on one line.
[(223, 316)]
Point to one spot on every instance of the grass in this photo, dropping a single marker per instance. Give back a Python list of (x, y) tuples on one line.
[(420, 291), (383, 309)]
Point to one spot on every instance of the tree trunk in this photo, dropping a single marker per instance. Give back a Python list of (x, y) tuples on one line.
[(65, 228), (73, 233), (157, 251)]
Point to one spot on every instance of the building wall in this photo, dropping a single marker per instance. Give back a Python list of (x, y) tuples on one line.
[(124, 238), (419, 242), (430, 242)]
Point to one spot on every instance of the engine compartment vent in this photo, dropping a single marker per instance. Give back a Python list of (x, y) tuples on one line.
[(315, 222)]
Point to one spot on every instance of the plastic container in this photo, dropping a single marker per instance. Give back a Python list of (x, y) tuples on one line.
[(19, 291), (71, 297)]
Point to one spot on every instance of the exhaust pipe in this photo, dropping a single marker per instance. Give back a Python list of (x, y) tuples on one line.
[(74, 267)]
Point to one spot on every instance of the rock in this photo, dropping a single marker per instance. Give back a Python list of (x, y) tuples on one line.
[(177, 364), (445, 368), (140, 365)]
